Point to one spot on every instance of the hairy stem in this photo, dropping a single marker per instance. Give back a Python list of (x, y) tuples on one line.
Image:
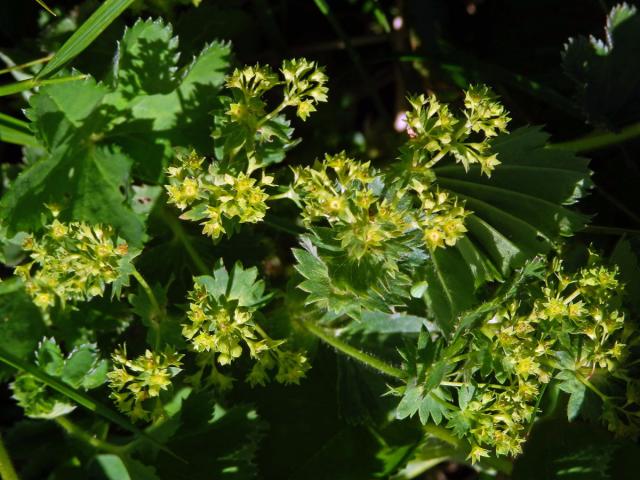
[(353, 352), (78, 432), (600, 140), (7, 470)]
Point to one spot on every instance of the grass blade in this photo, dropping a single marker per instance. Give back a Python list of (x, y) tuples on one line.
[(85, 35), (16, 131), (46, 7), (29, 83)]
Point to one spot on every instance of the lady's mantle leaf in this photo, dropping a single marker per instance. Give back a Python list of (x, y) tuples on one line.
[(21, 324), (519, 212), (93, 145), (607, 72)]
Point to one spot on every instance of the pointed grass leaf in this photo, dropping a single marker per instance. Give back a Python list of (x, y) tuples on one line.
[(16, 131), (104, 15)]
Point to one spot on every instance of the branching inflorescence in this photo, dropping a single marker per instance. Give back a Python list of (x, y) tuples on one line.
[(561, 326), (72, 262)]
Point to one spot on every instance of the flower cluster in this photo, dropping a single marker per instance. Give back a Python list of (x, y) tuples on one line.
[(442, 217), (436, 132), (347, 195), (223, 325), (219, 201), (366, 217), (71, 262), (566, 326), (225, 194), (215, 327), (304, 86), (384, 229), (135, 384), (250, 134)]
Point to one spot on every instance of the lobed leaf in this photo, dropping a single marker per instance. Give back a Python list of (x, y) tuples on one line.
[(519, 212)]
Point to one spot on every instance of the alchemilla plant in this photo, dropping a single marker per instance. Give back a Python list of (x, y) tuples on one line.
[(176, 262)]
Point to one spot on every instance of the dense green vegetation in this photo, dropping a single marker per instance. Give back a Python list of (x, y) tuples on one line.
[(322, 240)]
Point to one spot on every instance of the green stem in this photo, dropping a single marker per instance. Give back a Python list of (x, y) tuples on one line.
[(462, 384), (81, 434), (353, 352), (441, 433), (7, 470), (600, 140), (46, 7), (592, 387), (273, 114), (145, 286), (30, 83), (154, 319), (25, 65), (281, 224), (178, 232), (281, 196)]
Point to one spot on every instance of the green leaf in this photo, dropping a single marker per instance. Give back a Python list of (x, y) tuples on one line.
[(85, 35), (147, 59), (49, 357), (318, 284), (213, 441), (161, 120), (84, 368), (450, 287), (435, 375), (346, 288), (241, 285), (625, 256), (575, 403), (575, 451), (381, 322), (309, 438), (88, 182), (86, 179), (432, 407), (606, 72), (410, 401), (519, 212), (21, 324), (16, 131), (115, 467)]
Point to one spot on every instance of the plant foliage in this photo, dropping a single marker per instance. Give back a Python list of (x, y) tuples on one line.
[(184, 234)]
